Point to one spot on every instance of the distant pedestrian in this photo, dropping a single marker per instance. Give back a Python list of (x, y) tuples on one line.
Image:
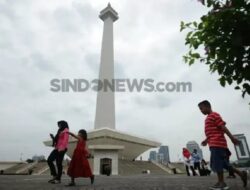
[(204, 168), (215, 128), (188, 161), (196, 160), (79, 165), (60, 143)]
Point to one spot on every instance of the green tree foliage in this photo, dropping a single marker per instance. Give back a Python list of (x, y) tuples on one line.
[(221, 39)]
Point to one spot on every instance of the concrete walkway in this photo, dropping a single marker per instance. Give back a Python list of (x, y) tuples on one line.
[(139, 182)]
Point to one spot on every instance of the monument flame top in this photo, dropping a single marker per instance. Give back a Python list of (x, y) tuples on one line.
[(108, 12)]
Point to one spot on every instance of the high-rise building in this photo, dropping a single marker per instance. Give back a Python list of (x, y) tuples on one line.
[(152, 156), (164, 150), (162, 156), (191, 145)]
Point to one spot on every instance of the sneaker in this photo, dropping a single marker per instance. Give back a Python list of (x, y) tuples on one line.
[(244, 178), (52, 180), (215, 187), (219, 186), (56, 181), (224, 186)]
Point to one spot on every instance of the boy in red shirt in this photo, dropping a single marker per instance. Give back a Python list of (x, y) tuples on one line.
[(215, 129)]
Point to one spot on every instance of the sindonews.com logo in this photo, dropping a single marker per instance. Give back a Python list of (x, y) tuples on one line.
[(118, 85)]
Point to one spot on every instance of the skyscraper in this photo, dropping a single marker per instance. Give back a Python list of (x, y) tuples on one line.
[(164, 150), (162, 156), (191, 145), (152, 156)]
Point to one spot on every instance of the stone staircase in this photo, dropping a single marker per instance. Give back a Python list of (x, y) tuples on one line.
[(17, 169), (180, 168), (127, 167), (164, 167), (40, 168)]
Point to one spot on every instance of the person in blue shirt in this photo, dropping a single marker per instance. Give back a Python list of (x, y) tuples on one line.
[(196, 160)]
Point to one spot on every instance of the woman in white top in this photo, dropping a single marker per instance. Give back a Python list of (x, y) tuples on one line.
[(188, 161)]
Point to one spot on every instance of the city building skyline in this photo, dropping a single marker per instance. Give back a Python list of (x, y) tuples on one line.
[(191, 145), (161, 155)]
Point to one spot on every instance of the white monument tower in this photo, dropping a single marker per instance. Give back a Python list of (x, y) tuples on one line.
[(105, 105), (106, 144)]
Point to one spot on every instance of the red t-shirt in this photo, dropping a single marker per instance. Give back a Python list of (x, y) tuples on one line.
[(215, 135)]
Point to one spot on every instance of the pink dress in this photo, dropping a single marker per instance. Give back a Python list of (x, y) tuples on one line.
[(79, 165)]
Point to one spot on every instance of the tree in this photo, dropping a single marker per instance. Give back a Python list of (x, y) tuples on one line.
[(221, 39)]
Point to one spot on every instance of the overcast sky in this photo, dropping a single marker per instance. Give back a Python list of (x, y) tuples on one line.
[(42, 40)]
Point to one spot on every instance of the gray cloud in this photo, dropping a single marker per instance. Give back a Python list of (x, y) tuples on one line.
[(158, 101), (42, 40)]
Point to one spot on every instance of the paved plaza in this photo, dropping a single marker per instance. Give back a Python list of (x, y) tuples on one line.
[(138, 182)]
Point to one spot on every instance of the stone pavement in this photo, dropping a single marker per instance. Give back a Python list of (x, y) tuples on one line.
[(138, 182)]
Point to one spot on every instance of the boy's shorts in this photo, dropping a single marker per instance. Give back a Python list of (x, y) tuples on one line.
[(219, 159)]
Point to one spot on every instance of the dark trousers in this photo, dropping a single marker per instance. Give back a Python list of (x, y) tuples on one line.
[(192, 169), (197, 167), (204, 171), (58, 157)]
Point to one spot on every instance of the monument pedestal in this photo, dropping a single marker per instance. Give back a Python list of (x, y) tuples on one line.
[(105, 159)]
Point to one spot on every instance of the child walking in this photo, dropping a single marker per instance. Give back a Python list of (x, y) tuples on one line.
[(215, 128), (79, 165)]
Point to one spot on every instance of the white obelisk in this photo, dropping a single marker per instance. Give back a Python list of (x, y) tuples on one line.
[(105, 105)]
